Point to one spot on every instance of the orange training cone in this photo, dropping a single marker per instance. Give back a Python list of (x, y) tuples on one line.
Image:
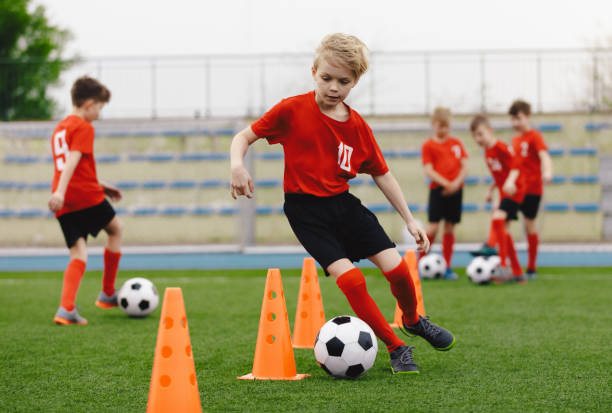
[(174, 387), (411, 259), (273, 353), (309, 317)]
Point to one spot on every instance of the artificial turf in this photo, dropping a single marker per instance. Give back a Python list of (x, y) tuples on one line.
[(543, 346)]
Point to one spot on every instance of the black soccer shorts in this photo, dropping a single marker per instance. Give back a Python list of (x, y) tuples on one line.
[(86, 221), (510, 207), (531, 205), (335, 227), (443, 207)]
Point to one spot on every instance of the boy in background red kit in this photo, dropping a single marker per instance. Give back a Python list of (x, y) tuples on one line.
[(536, 166), (78, 198), (445, 163), (326, 143), (504, 167)]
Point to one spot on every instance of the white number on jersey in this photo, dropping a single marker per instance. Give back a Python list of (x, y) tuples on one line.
[(494, 164), (524, 149), (344, 156), (60, 149), (457, 151)]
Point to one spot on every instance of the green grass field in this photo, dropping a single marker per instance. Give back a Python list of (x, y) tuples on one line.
[(544, 346)]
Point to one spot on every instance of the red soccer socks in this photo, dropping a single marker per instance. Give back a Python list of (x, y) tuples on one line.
[(353, 285), (111, 264), (403, 290), (532, 251), (448, 241), (72, 278)]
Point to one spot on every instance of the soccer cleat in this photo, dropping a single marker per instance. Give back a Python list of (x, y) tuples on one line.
[(107, 301), (450, 275), (531, 274), (521, 279), (486, 251), (65, 317), (502, 275), (402, 362), (440, 338)]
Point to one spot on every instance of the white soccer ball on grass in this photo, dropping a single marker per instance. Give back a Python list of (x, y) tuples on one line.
[(138, 297), (432, 266)]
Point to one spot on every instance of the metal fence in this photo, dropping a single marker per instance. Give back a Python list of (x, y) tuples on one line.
[(397, 82)]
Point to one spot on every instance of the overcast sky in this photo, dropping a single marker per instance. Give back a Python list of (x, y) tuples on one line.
[(168, 27)]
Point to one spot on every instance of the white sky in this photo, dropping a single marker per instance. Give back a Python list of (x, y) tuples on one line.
[(170, 27)]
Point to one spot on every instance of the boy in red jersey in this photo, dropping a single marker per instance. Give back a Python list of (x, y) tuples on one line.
[(78, 198), (326, 143), (504, 167), (445, 163), (536, 166)]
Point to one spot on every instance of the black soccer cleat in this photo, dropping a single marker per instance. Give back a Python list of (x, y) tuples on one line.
[(402, 362), (485, 251), (440, 338)]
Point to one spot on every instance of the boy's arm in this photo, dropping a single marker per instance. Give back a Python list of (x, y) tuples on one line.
[(112, 191), (489, 196), (392, 191), (510, 183), (546, 166), (56, 201), (456, 183), (241, 181), (434, 176)]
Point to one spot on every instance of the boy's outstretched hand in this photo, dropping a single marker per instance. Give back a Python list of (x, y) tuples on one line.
[(241, 183), (420, 236), (112, 191)]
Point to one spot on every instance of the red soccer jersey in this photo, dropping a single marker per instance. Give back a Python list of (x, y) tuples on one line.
[(501, 161), (527, 146), (445, 157), (84, 191), (321, 153)]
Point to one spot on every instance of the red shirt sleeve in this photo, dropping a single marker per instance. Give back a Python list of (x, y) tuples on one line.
[(538, 142), (82, 139), (274, 124), (463, 152), (426, 155), (376, 164)]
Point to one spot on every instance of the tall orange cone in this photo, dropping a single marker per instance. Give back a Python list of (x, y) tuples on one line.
[(309, 316), (411, 259), (273, 353), (174, 387)]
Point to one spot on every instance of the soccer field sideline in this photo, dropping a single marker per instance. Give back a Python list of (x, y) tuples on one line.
[(228, 256)]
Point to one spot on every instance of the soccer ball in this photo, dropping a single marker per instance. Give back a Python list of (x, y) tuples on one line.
[(346, 347), (481, 269), (432, 266), (138, 297)]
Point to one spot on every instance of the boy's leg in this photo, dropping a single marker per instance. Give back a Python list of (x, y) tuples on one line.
[(532, 244), (112, 255), (448, 242), (351, 281), (432, 230), (72, 279), (517, 271)]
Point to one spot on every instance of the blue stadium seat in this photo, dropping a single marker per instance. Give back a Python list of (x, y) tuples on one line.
[(488, 207), (203, 210), (268, 210), (550, 127), (410, 153), (31, 213), (597, 126), (416, 207), (214, 183), (183, 184), (380, 208), (228, 210), (7, 185), (585, 179), (586, 207), (471, 180), (108, 158), (268, 183), (22, 159), (154, 184), (127, 184), (557, 207), (271, 156), (144, 211), (160, 157), (230, 132), (37, 186), (556, 151), (7, 213), (559, 179), (487, 180), (583, 151), (203, 156), (357, 181), (121, 211), (470, 207), (174, 211)]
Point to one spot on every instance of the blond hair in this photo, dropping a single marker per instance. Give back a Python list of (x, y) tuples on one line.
[(442, 115), (347, 48)]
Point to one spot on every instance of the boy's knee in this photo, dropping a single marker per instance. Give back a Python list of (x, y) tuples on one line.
[(115, 227)]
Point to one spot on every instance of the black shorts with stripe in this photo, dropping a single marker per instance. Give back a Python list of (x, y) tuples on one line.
[(335, 227)]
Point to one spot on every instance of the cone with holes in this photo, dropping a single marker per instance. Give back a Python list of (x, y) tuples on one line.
[(309, 317), (273, 352), (174, 387), (411, 259)]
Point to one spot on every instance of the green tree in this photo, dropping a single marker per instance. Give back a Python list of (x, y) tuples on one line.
[(30, 60)]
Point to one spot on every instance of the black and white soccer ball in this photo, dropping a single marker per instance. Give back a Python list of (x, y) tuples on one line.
[(346, 347), (481, 269), (432, 266), (138, 297)]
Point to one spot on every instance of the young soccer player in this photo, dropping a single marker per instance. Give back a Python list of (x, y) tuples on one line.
[(445, 163), (326, 143), (78, 198), (536, 166), (504, 167)]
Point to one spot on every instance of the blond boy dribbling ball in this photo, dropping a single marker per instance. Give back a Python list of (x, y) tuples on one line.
[(326, 143)]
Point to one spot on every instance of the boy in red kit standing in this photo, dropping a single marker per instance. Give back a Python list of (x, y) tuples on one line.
[(78, 198), (445, 163), (536, 166), (504, 167), (326, 143)]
